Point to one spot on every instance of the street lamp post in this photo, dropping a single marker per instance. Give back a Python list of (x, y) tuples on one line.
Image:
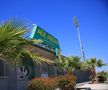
[(76, 24)]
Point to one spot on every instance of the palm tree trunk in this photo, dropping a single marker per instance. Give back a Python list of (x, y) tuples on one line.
[(93, 75)]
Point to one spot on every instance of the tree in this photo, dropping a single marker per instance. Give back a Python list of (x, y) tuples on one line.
[(13, 50), (69, 64), (91, 65), (12, 42)]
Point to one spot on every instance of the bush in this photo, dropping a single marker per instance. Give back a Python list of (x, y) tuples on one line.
[(102, 76), (67, 81), (101, 79), (63, 82), (42, 84)]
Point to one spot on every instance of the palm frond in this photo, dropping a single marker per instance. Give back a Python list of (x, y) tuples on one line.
[(12, 42)]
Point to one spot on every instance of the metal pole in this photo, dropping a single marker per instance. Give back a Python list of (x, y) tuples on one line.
[(76, 24), (80, 42)]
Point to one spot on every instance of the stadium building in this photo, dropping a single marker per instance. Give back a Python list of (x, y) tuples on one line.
[(18, 78)]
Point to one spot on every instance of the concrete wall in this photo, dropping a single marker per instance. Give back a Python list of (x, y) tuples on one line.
[(22, 84), (3, 83), (37, 69), (12, 82), (12, 78), (82, 76), (52, 71)]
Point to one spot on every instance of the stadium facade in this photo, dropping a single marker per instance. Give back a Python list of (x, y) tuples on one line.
[(17, 79)]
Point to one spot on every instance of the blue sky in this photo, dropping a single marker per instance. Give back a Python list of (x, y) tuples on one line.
[(55, 16)]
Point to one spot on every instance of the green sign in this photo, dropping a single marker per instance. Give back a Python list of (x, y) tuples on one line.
[(49, 41)]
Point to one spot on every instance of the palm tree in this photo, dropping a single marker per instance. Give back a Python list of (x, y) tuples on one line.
[(12, 48), (69, 64), (12, 43), (91, 65)]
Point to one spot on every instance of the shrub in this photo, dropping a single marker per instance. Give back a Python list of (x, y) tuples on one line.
[(66, 81), (42, 84), (62, 82), (102, 76)]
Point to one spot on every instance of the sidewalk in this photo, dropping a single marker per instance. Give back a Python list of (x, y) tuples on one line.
[(83, 83), (100, 86)]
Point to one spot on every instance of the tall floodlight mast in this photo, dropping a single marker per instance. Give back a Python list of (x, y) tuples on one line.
[(76, 24)]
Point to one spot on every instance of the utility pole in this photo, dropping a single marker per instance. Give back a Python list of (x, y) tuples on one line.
[(76, 24)]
